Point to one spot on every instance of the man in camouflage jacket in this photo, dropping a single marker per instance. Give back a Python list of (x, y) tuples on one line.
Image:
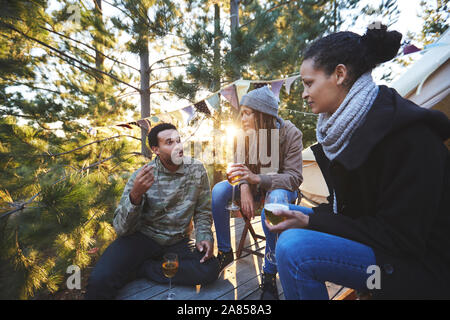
[(160, 205)]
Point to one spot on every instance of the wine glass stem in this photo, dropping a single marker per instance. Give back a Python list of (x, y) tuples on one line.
[(232, 196)]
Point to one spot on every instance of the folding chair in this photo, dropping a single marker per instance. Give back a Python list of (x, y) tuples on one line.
[(248, 227)]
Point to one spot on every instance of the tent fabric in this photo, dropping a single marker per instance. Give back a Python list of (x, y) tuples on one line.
[(427, 80)]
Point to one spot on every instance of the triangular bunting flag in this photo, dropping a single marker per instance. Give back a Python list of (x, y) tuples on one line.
[(230, 94), (202, 107), (276, 87), (189, 112), (241, 88), (410, 48), (289, 82), (214, 101)]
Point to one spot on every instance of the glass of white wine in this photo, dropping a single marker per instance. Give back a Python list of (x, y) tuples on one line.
[(233, 181), (170, 268), (274, 201)]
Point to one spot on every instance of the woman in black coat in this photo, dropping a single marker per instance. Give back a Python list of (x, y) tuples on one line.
[(386, 228)]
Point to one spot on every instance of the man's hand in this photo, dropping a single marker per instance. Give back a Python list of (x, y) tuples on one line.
[(247, 205), (207, 247), (244, 173), (144, 180), (293, 219)]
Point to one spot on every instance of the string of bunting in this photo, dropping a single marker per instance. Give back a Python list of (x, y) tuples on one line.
[(232, 92)]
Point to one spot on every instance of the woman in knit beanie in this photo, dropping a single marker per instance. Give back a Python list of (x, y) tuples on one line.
[(259, 115)]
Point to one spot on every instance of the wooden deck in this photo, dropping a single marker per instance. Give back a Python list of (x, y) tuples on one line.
[(240, 281)]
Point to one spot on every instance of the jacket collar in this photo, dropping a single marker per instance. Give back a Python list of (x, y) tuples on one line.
[(161, 167), (378, 123)]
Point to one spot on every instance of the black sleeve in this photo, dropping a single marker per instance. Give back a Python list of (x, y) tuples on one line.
[(410, 175)]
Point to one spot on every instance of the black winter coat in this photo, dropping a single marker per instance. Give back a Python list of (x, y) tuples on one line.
[(392, 185)]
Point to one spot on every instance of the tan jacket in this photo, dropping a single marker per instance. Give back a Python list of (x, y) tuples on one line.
[(289, 175)]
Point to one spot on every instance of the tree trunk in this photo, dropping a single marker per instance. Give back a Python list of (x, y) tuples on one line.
[(234, 15), (145, 93), (99, 58), (217, 177), (234, 19), (334, 16)]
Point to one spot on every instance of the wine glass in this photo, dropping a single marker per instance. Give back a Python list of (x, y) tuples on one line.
[(170, 268), (233, 181), (274, 201)]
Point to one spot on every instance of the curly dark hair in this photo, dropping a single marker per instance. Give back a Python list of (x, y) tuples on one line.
[(359, 54), (153, 134)]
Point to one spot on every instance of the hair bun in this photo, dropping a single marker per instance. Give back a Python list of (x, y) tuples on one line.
[(382, 45)]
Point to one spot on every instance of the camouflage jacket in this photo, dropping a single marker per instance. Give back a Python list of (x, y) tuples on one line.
[(169, 207)]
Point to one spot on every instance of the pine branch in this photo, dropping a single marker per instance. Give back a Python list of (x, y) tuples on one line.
[(158, 82), (123, 11), (265, 12), (166, 58), (29, 85), (88, 144), (67, 56), (168, 67), (23, 205), (90, 47)]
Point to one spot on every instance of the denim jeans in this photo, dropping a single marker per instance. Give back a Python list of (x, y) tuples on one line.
[(138, 256), (221, 195), (271, 238), (306, 259)]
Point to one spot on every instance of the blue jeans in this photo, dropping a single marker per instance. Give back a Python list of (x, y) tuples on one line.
[(271, 238), (306, 259), (221, 195)]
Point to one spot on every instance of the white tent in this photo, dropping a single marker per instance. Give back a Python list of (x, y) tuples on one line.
[(426, 82), (313, 187)]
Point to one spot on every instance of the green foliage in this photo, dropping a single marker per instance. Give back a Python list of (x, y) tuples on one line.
[(436, 20), (68, 181), (71, 214)]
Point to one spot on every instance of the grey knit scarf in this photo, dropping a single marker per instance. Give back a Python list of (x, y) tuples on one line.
[(335, 130)]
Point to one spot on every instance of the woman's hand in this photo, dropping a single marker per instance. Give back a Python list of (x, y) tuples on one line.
[(292, 220), (247, 205), (244, 173)]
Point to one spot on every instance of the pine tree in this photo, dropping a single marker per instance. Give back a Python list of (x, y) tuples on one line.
[(436, 20), (59, 186)]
